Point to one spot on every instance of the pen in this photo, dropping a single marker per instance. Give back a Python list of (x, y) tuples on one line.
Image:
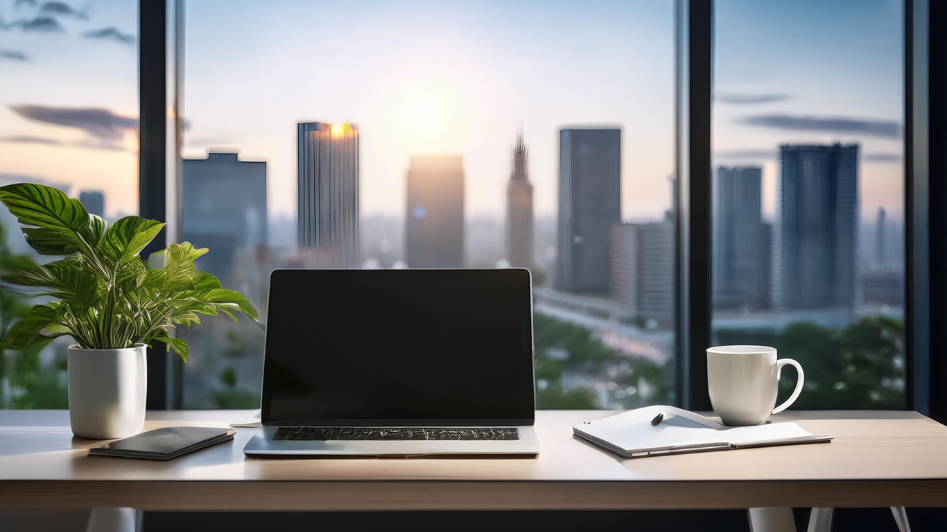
[(657, 419)]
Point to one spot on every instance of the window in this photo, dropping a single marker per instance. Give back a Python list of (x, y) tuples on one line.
[(68, 118), (453, 135), (808, 206), (487, 134)]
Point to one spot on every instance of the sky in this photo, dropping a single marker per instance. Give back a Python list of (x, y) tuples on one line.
[(453, 78)]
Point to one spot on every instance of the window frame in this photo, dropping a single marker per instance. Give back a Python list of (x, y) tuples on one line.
[(161, 34)]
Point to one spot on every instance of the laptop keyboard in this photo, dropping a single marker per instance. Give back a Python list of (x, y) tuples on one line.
[(374, 433)]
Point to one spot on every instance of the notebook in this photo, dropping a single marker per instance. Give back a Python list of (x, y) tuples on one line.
[(632, 435), (164, 444)]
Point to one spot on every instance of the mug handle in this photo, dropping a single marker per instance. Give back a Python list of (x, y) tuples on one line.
[(795, 393)]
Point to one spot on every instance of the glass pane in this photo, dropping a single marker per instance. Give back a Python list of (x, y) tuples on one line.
[(450, 134), (68, 119), (808, 200)]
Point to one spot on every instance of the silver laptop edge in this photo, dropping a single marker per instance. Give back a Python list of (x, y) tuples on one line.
[(262, 443)]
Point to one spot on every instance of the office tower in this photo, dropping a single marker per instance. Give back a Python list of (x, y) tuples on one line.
[(882, 286), (519, 211), (765, 268), (93, 201), (881, 252), (434, 222), (327, 184), (223, 208), (819, 216), (589, 205), (641, 268), (738, 239)]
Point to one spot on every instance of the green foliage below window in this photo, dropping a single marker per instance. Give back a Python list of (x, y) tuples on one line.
[(859, 367)]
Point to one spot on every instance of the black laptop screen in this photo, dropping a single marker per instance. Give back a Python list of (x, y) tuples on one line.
[(398, 345)]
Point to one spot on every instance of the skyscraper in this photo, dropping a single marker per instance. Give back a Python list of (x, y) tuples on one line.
[(641, 269), (767, 258), (738, 239), (519, 211), (327, 181), (93, 201), (881, 252), (589, 205), (818, 234), (434, 222), (223, 208)]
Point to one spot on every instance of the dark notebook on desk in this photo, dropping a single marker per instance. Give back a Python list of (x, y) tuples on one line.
[(164, 444)]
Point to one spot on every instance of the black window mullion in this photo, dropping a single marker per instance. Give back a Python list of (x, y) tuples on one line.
[(694, 68), (152, 170)]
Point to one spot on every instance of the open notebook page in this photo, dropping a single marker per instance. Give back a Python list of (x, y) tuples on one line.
[(632, 430)]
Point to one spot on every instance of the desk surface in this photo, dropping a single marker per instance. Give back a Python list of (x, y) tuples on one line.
[(876, 459)]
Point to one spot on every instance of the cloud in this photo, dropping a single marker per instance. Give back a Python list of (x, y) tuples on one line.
[(40, 24), (61, 9), (208, 141), (93, 144), (27, 139), (100, 123), (827, 124), (736, 98), (99, 144), (882, 157), (31, 3), (12, 55), (110, 34), (750, 153)]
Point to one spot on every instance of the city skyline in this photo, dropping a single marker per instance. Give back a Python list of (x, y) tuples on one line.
[(430, 99)]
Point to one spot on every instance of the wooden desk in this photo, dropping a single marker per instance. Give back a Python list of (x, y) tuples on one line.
[(877, 459)]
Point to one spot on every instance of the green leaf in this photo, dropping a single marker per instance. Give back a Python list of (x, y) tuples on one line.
[(182, 254), (205, 281), (53, 223), (96, 228), (128, 236), (131, 275), (28, 331), (179, 263), (177, 345), (180, 347), (165, 282), (64, 279), (222, 296)]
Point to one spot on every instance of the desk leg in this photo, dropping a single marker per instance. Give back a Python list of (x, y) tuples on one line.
[(820, 520), (771, 520), (901, 518), (114, 520)]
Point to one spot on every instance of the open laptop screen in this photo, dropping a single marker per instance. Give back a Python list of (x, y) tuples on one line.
[(390, 346)]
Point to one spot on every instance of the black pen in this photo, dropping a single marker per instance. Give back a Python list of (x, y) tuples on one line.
[(657, 419)]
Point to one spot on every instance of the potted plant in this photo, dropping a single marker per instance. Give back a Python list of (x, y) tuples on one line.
[(108, 300)]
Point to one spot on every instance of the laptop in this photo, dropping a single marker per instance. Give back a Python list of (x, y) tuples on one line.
[(405, 363)]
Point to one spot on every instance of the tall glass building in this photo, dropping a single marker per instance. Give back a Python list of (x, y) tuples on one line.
[(223, 209), (328, 194), (434, 222), (519, 210), (818, 204), (589, 205), (740, 260)]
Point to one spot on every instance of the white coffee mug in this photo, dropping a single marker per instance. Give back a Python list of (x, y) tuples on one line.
[(743, 381)]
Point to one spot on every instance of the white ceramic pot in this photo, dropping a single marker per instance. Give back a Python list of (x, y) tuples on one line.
[(107, 389)]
